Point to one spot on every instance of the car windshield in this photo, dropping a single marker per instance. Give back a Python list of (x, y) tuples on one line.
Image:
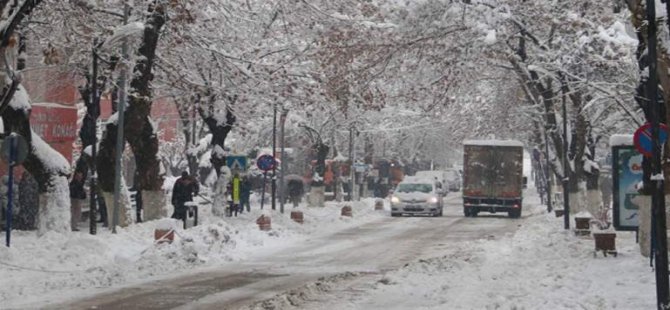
[(414, 187)]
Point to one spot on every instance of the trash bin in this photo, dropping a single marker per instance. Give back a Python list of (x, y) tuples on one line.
[(191, 214)]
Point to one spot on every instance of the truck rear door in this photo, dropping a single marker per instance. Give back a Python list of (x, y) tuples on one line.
[(508, 174), (479, 171)]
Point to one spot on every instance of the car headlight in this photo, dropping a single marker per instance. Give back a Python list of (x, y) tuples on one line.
[(395, 199), (433, 200)]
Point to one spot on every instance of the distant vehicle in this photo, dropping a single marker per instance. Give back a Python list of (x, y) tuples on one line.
[(418, 196), (453, 178), (492, 177), (439, 175)]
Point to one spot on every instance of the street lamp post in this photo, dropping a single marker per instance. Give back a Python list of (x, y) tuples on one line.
[(546, 172), (352, 173), (274, 155), (282, 188), (566, 195)]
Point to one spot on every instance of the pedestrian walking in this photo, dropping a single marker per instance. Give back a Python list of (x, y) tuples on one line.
[(295, 191), (29, 202), (235, 206), (77, 196), (184, 189), (245, 193)]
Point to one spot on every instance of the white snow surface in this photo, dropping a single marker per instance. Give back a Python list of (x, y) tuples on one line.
[(493, 142), (542, 266), (621, 140)]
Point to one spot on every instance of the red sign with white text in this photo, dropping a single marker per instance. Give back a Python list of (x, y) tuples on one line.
[(57, 125)]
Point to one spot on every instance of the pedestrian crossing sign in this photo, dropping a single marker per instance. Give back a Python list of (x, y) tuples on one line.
[(236, 163)]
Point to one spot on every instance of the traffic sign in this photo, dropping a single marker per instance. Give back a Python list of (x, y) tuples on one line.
[(642, 138), (266, 162), (238, 163), (21, 148), (360, 167)]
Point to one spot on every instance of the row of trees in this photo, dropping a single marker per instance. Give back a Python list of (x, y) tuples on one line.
[(412, 80)]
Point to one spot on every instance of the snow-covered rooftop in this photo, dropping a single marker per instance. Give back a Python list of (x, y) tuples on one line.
[(493, 142), (621, 140)]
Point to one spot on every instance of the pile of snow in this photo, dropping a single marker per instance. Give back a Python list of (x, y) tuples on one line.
[(541, 266), (58, 266)]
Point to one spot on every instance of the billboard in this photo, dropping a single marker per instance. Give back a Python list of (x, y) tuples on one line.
[(57, 125), (626, 174)]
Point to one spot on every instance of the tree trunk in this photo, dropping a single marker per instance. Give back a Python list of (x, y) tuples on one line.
[(138, 129), (317, 192), (219, 132), (49, 168)]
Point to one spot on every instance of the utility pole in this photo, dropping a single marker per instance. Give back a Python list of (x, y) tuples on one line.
[(193, 135), (566, 194), (282, 188), (120, 142), (274, 155), (352, 173), (546, 172), (657, 196)]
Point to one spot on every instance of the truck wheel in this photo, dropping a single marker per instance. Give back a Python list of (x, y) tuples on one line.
[(466, 212), (515, 214), (395, 214)]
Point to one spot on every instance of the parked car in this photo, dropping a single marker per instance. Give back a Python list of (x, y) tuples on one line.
[(418, 196), (453, 178), (439, 175)]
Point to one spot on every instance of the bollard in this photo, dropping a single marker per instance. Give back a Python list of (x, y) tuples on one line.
[(582, 226), (346, 211), (379, 204), (264, 223), (164, 235), (582, 223), (297, 216)]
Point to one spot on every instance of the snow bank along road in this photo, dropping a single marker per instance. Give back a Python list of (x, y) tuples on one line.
[(364, 251)]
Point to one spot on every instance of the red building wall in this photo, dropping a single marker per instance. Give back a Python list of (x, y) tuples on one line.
[(54, 117)]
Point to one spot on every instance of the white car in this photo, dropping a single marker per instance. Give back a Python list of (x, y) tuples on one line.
[(417, 196), (453, 177), (439, 175)]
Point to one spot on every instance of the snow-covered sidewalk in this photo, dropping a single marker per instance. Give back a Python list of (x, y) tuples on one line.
[(58, 266), (542, 266)]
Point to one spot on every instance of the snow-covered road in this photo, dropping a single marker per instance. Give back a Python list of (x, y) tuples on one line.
[(370, 261), (369, 249)]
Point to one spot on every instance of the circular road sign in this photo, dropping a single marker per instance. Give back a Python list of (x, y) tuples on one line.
[(21, 151), (642, 138), (266, 162)]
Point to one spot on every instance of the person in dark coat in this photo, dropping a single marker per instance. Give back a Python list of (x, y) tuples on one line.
[(29, 202), (77, 196), (184, 189), (381, 190), (295, 191), (245, 193)]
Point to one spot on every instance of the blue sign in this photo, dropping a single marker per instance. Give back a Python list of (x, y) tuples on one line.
[(238, 163), (642, 138), (626, 174), (266, 162)]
